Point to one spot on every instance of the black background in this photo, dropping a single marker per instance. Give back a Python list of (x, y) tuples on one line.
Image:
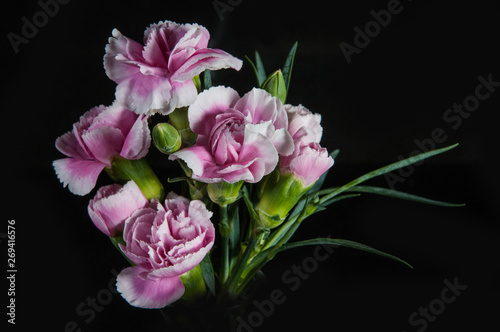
[(395, 91)]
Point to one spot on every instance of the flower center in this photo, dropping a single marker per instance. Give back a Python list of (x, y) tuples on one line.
[(226, 137)]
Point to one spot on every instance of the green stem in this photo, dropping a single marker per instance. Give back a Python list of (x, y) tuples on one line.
[(225, 231), (123, 170), (240, 267)]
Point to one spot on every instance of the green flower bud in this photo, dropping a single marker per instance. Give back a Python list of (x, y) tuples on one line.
[(179, 119), (193, 283), (278, 198), (275, 85), (224, 193), (166, 138)]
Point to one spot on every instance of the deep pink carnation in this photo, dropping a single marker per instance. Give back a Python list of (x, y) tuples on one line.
[(157, 77)]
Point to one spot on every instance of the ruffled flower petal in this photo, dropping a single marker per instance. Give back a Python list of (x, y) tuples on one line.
[(79, 175), (113, 141), (122, 56), (210, 103), (311, 163), (113, 204), (151, 293), (138, 140), (203, 59), (197, 157)]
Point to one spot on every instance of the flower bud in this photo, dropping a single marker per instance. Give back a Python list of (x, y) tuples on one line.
[(194, 284), (224, 193), (166, 138), (278, 198), (275, 85), (179, 120)]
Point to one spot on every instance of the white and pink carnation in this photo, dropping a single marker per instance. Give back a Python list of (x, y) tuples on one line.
[(101, 134), (239, 138), (157, 77), (309, 160), (163, 241)]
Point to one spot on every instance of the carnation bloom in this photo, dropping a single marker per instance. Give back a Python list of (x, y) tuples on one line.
[(164, 241), (113, 204), (101, 134), (297, 171), (238, 138), (309, 160), (303, 124), (157, 77)]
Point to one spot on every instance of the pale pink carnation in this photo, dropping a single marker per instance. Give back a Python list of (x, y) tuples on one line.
[(157, 77), (101, 134), (309, 160), (164, 241), (113, 204), (239, 138)]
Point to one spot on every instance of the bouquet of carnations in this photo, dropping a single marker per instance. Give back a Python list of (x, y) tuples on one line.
[(252, 169)]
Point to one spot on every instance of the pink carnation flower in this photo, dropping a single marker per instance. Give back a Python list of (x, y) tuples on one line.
[(238, 138), (309, 160), (157, 77), (101, 134), (164, 242), (113, 204)]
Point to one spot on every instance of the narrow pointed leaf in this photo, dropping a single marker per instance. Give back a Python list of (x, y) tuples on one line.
[(207, 79), (400, 195), (287, 67), (207, 271), (336, 199), (248, 203), (254, 69), (260, 71), (387, 169), (344, 243)]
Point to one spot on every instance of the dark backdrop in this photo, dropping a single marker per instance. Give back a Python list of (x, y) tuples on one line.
[(392, 95)]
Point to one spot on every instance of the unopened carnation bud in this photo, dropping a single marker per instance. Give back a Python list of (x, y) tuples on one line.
[(278, 198), (224, 193), (166, 138), (179, 119), (194, 284), (275, 85)]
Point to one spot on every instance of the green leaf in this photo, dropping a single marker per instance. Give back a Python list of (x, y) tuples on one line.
[(254, 69), (400, 195), (249, 205), (336, 199), (207, 271), (207, 79), (287, 67), (387, 169), (261, 72), (334, 154), (344, 243)]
